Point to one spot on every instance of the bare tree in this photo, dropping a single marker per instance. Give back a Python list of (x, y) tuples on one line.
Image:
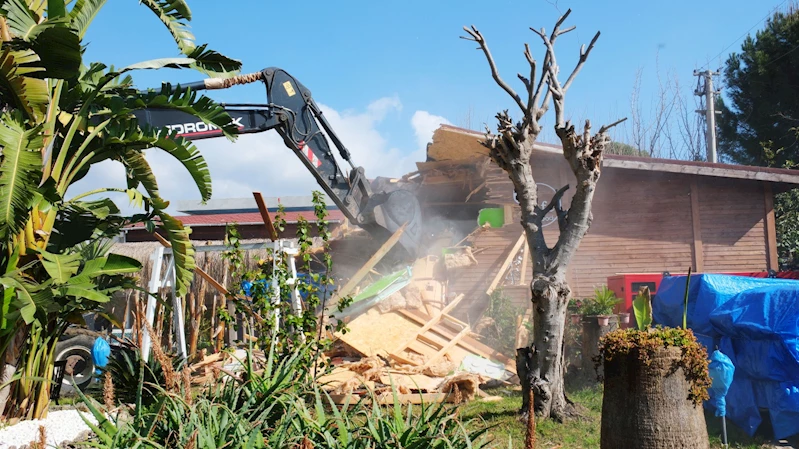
[(648, 131), (541, 367), (687, 141)]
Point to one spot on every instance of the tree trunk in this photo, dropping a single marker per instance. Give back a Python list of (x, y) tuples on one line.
[(550, 299), (592, 332), (647, 407)]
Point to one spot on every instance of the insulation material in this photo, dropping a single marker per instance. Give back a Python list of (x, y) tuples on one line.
[(418, 382), (410, 298), (441, 368), (463, 385), (459, 258), (370, 368)]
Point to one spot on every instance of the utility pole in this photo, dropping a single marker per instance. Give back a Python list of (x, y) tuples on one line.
[(705, 89)]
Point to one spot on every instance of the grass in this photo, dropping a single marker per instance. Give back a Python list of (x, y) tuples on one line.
[(582, 433)]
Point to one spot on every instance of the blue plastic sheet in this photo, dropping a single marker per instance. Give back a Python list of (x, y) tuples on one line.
[(755, 323), (101, 350), (721, 372)]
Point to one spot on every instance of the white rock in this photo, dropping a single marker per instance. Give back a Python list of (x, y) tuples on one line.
[(61, 426)]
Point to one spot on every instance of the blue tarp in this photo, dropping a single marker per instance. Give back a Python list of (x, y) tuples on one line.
[(755, 322)]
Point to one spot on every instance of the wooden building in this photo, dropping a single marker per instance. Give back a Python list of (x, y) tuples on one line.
[(649, 215)]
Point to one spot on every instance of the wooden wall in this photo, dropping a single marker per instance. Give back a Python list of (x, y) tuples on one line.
[(644, 222)]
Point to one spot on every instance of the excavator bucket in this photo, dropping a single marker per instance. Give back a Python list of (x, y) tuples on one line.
[(391, 207)]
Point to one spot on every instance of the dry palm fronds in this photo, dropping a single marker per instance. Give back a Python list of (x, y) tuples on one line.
[(108, 392)]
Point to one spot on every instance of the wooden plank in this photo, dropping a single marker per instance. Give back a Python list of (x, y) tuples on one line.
[(451, 344), (466, 343), (772, 260), (367, 267), (698, 252), (505, 265), (433, 321), (270, 227)]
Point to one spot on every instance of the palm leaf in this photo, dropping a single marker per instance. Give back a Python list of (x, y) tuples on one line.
[(139, 172), (56, 8), (27, 94), (213, 63), (26, 296), (83, 13), (20, 172), (183, 251), (61, 267), (174, 14)]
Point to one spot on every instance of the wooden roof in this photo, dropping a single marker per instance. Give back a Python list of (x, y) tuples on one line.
[(457, 145)]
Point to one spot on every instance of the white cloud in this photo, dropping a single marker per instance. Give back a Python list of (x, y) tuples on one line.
[(261, 162)]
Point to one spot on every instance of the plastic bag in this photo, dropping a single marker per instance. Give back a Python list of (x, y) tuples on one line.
[(100, 352), (721, 372)]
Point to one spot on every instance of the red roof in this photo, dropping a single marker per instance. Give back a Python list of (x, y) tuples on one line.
[(333, 215)]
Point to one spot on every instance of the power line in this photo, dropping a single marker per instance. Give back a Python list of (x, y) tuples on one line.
[(746, 33)]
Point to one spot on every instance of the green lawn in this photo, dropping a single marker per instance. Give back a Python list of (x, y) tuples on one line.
[(582, 433)]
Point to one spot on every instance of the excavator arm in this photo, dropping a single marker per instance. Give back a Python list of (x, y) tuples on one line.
[(380, 208)]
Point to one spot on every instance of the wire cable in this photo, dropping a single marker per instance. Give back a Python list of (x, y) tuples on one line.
[(746, 33)]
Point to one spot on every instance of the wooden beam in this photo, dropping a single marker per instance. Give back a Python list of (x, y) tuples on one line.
[(450, 344), (772, 258), (505, 265), (698, 250), (477, 189), (367, 267), (507, 210), (433, 321), (466, 343), (270, 227)]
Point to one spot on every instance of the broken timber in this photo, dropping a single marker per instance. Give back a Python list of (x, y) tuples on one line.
[(441, 350), (349, 287), (505, 265)]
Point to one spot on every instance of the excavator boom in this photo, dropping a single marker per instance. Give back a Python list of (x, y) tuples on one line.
[(380, 208)]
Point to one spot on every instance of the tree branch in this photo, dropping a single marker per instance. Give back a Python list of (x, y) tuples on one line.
[(555, 201), (477, 37), (605, 128), (583, 57)]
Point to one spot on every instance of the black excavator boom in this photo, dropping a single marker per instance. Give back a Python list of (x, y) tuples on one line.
[(380, 207)]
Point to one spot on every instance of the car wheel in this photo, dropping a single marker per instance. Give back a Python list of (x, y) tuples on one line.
[(77, 352)]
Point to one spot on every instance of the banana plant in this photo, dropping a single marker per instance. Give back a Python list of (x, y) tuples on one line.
[(59, 118)]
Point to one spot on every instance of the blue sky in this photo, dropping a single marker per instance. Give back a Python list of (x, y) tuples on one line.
[(391, 71)]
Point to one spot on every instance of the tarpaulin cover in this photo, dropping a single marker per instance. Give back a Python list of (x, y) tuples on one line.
[(721, 371), (755, 322)]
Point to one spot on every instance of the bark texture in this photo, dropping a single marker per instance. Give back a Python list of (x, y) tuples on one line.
[(511, 148), (647, 407), (592, 332)]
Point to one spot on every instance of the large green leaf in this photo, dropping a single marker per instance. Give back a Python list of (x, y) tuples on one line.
[(83, 13), (84, 291), (139, 172), (178, 236), (61, 267), (213, 63), (25, 297), (20, 172), (17, 88), (172, 63), (56, 8), (174, 14), (133, 139), (59, 50), (642, 306)]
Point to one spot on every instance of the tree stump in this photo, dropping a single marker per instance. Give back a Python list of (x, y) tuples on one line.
[(592, 332), (647, 406)]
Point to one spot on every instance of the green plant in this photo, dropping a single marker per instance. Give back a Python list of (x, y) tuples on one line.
[(501, 333), (602, 303), (643, 344), (124, 366), (642, 306), (61, 116)]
